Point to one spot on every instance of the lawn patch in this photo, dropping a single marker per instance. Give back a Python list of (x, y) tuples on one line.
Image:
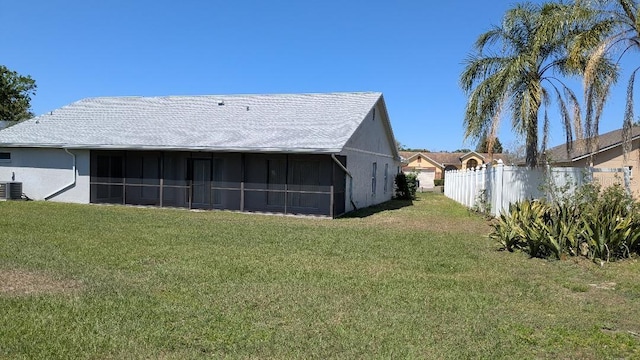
[(401, 281), (16, 282)]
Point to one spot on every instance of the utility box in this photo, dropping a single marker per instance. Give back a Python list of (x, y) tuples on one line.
[(10, 190)]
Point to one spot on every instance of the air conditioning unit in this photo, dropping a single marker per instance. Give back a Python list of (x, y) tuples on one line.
[(10, 190)]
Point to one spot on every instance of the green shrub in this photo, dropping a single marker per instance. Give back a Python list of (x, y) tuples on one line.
[(611, 224), (507, 230), (406, 186), (438, 182), (601, 224)]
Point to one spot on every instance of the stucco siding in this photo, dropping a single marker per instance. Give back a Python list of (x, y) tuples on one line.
[(423, 164), (48, 173), (613, 159), (371, 143)]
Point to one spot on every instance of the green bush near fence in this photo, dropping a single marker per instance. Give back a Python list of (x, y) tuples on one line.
[(438, 182), (602, 224)]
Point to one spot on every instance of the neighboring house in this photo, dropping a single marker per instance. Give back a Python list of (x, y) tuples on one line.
[(609, 154), (431, 166), (321, 154)]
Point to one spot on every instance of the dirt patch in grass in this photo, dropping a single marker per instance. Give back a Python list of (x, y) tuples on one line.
[(439, 224), (16, 282)]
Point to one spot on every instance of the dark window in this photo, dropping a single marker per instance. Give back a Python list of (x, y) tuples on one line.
[(5, 156), (472, 163), (386, 177), (374, 170)]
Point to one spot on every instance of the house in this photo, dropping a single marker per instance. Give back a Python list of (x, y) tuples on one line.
[(609, 154), (318, 154), (431, 166)]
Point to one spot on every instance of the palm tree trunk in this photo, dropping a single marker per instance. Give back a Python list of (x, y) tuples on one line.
[(532, 136)]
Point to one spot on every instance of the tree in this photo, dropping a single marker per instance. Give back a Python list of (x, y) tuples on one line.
[(483, 146), (15, 95), (514, 153), (515, 67), (620, 21)]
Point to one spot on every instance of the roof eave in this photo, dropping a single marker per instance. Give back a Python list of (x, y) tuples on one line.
[(606, 148), (177, 148)]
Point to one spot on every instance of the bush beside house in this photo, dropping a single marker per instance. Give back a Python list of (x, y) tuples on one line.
[(406, 186)]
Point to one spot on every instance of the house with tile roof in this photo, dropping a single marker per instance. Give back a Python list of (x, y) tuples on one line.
[(608, 154), (431, 166), (316, 154)]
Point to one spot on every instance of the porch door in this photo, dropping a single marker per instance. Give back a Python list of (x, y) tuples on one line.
[(201, 188)]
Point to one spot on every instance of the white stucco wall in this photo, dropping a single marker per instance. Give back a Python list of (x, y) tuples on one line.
[(371, 143), (44, 172)]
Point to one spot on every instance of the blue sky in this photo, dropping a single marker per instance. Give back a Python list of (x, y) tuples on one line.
[(412, 51)]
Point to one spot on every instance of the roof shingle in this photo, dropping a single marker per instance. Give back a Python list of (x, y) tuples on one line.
[(280, 122), (579, 149)]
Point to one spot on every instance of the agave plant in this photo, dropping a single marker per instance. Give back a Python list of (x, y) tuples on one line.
[(606, 222), (564, 227), (611, 225), (507, 231), (540, 228)]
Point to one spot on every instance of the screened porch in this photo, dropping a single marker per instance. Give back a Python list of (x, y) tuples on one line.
[(275, 183)]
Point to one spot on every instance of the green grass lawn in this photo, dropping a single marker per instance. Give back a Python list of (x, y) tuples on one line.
[(420, 281)]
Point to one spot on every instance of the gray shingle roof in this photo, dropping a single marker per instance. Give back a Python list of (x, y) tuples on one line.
[(579, 148), (282, 122)]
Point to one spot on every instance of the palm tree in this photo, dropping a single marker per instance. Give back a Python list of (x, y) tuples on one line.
[(620, 20), (514, 68)]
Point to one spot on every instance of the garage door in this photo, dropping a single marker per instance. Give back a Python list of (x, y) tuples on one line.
[(426, 178)]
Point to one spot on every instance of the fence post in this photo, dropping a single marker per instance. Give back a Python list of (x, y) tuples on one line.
[(447, 189), (459, 187), (483, 185), (471, 189), (496, 208)]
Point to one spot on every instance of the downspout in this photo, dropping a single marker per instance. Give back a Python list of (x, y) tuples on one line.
[(333, 156), (70, 185)]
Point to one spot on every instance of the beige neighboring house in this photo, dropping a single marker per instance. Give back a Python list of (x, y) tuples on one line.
[(431, 166), (608, 155)]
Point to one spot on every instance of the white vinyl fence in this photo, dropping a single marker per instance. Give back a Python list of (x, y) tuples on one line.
[(495, 187)]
